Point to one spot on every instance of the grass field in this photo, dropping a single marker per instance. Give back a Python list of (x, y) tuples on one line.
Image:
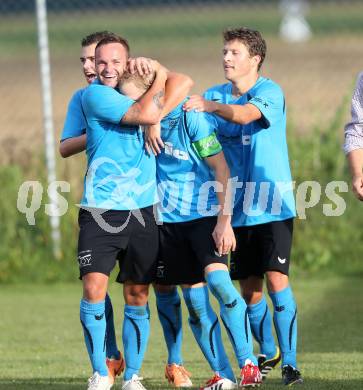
[(41, 340)]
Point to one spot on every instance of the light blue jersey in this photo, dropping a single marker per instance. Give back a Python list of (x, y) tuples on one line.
[(186, 184), (75, 123), (257, 154), (120, 175)]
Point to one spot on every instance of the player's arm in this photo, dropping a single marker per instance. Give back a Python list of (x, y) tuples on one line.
[(241, 114), (177, 85), (201, 130), (74, 145), (73, 139), (355, 161), (177, 88), (147, 110), (223, 233)]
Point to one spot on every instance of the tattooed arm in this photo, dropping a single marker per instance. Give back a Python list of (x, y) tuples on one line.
[(177, 88), (147, 110)]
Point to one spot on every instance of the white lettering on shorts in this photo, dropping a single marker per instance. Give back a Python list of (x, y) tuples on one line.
[(85, 258)]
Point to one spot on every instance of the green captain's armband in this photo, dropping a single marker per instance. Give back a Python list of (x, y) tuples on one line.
[(208, 146)]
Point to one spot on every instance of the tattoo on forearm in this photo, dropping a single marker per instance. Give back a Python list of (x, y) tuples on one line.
[(132, 115), (156, 99)]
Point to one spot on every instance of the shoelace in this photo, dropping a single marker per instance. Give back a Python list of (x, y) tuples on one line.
[(185, 372), (181, 373), (213, 380)]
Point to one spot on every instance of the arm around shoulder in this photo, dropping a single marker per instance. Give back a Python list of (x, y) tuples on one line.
[(147, 110), (237, 113)]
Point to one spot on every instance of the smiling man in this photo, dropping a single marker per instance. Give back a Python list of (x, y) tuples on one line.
[(73, 140), (116, 163), (251, 114)]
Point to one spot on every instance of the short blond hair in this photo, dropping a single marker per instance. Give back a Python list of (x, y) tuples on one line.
[(142, 82)]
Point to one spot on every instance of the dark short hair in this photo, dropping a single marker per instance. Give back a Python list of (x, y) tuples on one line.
[(252, 39), (113, 38), (95, 37)]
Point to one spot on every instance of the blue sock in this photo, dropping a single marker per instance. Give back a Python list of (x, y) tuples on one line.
[(135, 335), (170, 316), (207, 332), (233, 314), (111, 344), (261, 326), (93, 321), (285, 319)]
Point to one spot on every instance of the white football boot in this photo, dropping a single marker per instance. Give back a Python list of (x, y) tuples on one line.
[(98, 382), (133, 384)]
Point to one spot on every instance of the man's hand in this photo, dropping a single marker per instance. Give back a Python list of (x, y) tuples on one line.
[(153, 140), (224, 237), (199, 104), (142, 65), (357, 186)]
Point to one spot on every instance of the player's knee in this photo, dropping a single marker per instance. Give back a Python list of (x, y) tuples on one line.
[(160, 288), (252, 297), (93, 292), (94, 287), (276, 281), (222, 288), (252, 289), (136, 295)]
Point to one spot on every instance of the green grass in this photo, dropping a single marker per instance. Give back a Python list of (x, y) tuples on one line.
[(41, 340)]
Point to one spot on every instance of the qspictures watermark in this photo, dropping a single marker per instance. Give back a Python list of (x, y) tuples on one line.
[(308, 194)]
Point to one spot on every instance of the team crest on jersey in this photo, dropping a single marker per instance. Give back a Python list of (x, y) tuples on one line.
[(85, 258)]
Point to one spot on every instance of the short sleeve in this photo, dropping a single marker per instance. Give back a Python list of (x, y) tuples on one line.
[(271, 103), (199, 125), (105, 104), (75, 122)]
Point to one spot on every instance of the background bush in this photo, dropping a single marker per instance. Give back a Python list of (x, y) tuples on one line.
[(321, 242)]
